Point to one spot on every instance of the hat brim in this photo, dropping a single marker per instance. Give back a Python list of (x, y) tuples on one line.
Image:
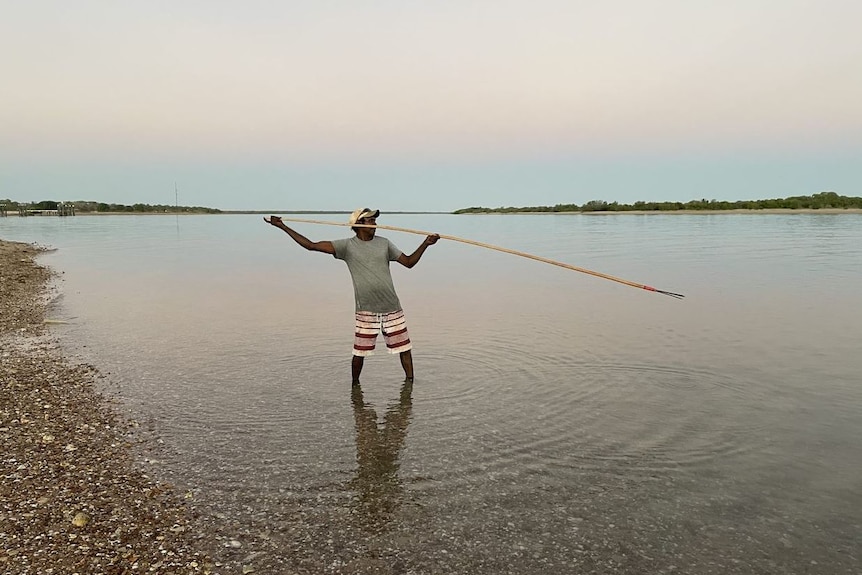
[(363, 214)]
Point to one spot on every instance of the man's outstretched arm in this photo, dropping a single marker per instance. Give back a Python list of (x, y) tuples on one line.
[(413, 259), (324, 246)]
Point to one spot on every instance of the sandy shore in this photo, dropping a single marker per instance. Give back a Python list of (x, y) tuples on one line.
[(71, 497)]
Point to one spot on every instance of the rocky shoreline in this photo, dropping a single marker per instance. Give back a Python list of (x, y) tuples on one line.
[(72, 499)]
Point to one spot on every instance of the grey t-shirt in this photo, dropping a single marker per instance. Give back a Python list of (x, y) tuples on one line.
[(368, 262)]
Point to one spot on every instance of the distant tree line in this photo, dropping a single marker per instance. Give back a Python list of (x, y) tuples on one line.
[(823, 200), (84, 206)]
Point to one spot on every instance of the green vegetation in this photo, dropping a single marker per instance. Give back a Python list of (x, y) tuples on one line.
[(823, 200), (100, 207)]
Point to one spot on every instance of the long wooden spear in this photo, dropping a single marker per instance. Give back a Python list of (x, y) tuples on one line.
[(493, 247)]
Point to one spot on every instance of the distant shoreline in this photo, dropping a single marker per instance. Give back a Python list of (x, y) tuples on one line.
[(775, 211), (770, 211), (237, 212)]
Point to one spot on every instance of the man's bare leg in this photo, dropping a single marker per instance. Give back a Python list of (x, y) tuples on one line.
[(356, 367), (407, 364)]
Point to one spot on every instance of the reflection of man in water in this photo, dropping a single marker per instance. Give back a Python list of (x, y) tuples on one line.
[(377, 450)]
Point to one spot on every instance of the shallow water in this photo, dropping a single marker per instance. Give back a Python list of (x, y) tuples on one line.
[(558, 423)]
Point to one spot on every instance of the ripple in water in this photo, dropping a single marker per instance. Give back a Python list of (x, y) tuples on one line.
[(496, 411)]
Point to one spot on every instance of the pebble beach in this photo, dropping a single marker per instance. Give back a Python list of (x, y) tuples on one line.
[(72, 499)]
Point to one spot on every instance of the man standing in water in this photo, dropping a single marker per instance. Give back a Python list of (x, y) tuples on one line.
[(377, 307)]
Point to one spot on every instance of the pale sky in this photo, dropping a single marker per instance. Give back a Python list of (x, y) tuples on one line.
[(408, 105)]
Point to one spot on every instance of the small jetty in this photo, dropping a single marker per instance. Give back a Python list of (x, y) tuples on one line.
[(25, 210)]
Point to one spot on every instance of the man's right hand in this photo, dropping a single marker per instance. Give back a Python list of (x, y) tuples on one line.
[(273, 221)]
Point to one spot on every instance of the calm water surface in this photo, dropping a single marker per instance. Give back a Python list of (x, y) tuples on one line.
[(559, 423)]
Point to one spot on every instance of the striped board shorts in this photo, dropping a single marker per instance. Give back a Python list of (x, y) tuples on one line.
[(392, 325)]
